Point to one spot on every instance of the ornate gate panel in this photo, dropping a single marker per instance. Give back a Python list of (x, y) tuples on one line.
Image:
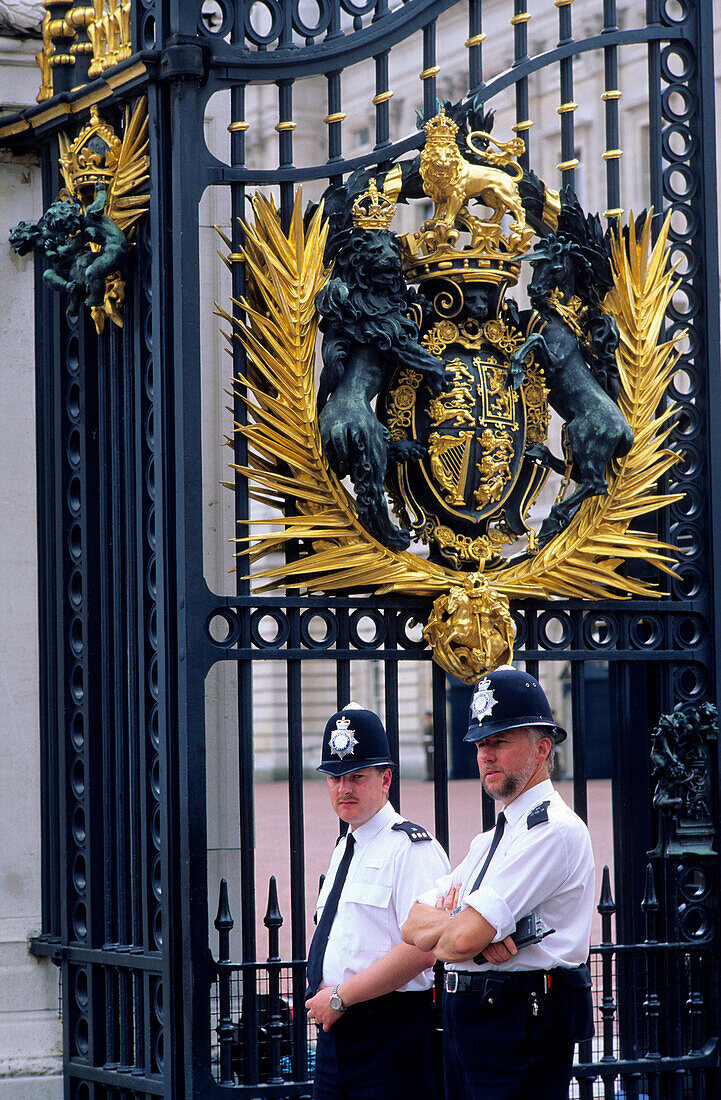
[(130, 629)]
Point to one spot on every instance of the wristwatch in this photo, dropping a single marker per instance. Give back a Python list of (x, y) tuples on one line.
[(335, 1000)]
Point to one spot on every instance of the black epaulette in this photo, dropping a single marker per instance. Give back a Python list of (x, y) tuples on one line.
[(538, 814), (412, 831)]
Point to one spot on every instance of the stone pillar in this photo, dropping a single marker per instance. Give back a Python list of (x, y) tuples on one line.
[(30, 1030)]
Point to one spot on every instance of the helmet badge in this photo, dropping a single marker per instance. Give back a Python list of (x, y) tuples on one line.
[(483, 700), (342, 740)]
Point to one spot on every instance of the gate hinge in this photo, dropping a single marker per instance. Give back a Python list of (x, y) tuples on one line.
[(185, 61)]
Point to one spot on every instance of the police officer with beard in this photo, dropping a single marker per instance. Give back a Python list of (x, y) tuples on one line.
[(512, 1014), (369, 993)]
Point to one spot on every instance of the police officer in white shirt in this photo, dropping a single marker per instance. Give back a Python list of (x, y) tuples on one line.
[(369, 993), (512, 1014)]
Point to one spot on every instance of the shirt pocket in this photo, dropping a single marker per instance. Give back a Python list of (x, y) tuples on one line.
[(373, 894), (367, 923)]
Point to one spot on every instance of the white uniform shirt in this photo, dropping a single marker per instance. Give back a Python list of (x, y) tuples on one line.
[(386, 874), (547, 870)]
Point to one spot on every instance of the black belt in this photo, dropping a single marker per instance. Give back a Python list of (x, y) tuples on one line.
[(486, 981)]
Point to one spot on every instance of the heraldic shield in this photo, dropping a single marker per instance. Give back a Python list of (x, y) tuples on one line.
[(436, 389), (473, 486)]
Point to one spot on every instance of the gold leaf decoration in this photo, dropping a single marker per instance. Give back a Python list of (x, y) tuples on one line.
[(285, 458)]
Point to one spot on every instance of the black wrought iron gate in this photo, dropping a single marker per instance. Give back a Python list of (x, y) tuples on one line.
[(130, 628)]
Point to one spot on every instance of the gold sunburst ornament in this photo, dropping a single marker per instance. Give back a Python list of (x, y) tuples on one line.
[(469, 626)]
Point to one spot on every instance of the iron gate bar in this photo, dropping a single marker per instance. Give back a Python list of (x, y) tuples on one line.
[(226, 65), (173, 671)]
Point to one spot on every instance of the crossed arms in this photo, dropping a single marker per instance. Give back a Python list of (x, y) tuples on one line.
[(454, 938)]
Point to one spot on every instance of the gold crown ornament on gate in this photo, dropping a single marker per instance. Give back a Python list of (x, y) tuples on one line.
[(464, 381)]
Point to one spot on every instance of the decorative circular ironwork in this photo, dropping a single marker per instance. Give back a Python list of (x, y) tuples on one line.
[(646, 631), (151, 579), (694, 921), (360, 624), (555, 630), (259, 628), (77, 731), (80, 880), (678, 103), (158, 1051), (156, 881), (150, 528), (75, 589), (155, 776), (312, 622), (688, 424), (154, 726), (690, 462), (410, 631), (255, 12), (693, 883), (158, 928), (685, 304), (80, 921), (74, 495), (678, 141), (77, 686), (675, 12), (357, 10), (684, 222), (520, 626), (77, 777), (215, 18), (600, 631), (680, 182), (73, 448), (72, 401), (81, 989), (689, 631), (75, 545), (690, 580), (677, 62), (82, 1041), (147, 31), (688, 539), (72, 358), (75, 635), (690, 682), (689, 506), (78, 825), (322, 23), (222, 627), (684, 384)]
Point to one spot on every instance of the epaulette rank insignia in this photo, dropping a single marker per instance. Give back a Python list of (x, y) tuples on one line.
[(538, 814), (412, 831)]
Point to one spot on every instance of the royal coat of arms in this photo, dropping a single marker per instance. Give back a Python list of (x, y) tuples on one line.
[(436, 389)]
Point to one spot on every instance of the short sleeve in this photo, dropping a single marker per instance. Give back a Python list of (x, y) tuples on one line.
[(418, 869), (533, 871)]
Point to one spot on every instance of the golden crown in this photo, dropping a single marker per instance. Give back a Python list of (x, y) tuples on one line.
[(492, 254), (373, 209), (82, 164), (440, 129)]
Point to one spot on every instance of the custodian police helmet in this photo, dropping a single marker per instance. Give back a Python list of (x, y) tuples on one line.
[(354, 738), (506, 699)]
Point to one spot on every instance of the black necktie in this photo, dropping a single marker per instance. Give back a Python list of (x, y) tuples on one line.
[(320, 936), (500, 825)]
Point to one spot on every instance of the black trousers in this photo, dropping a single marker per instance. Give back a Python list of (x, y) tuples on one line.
[(379, 1050), (503, 1051)]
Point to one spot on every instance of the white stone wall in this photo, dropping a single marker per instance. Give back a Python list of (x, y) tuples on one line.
[(30, 1031)]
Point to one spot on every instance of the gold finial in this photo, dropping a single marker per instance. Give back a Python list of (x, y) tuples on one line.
[(372, 210)]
